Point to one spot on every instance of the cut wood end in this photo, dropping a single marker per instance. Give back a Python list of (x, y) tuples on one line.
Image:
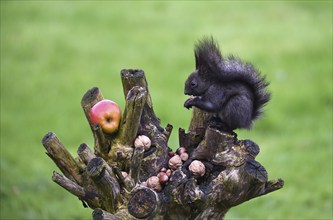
[(56, 176), (90, 96), (48, 137), (273, 185), (82, 148), (168, 129), (276, 184), (143, 203), (95, 167), (131, 73)]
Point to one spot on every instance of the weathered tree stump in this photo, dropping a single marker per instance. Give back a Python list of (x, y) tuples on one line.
[(232, 175)]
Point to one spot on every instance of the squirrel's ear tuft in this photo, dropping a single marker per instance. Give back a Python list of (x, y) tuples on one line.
[(207, 54)]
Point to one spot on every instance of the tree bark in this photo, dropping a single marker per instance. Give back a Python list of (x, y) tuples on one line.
[(103, 177), (116, 178)]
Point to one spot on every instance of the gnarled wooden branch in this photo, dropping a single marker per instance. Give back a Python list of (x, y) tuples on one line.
[(103, 177), (196, 131), (135, 101), (93, 199), (61, 157), (89, 99), (85, 153), (114, 178), (149, 125)]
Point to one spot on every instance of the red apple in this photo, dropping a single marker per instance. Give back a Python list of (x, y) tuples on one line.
[(107, 114)]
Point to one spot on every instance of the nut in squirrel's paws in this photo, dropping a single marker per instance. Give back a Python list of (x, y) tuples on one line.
[(188, 103)]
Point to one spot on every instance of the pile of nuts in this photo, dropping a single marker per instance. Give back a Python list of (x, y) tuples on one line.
[(178, 159), (156, 182), (197, 168)]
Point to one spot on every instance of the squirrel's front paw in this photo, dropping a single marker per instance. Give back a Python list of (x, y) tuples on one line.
[(188, 103)]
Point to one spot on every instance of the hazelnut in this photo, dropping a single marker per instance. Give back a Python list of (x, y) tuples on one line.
[(163, 177), (163, 169), (197, 168), (184, 156), (175, 162), (153, 182), (181, 150), (142, 141), (168, 172)]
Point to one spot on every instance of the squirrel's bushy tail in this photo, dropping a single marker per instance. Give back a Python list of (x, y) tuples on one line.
[(209, 59), (234, 69)]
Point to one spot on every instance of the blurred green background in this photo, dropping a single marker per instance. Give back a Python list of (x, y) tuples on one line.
[(52, 52)]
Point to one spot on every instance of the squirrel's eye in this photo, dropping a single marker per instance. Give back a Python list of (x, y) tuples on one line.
[(193, 84)]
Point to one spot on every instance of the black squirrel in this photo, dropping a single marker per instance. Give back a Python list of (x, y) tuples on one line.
[(231, 89)]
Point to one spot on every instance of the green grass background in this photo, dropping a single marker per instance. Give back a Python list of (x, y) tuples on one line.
[(52, 52)]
